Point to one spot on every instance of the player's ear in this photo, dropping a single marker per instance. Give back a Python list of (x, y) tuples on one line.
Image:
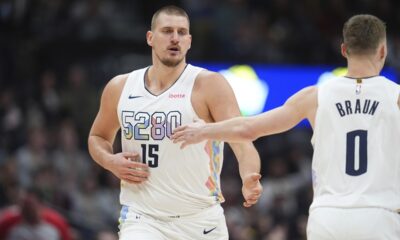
[(190, 43), (343, 49), (149, 38), (382, 51)]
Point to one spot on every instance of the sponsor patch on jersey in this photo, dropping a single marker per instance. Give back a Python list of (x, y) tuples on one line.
[(176, 95)]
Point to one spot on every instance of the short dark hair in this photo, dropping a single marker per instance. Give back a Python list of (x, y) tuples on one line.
[(170, 10), (363, 33)]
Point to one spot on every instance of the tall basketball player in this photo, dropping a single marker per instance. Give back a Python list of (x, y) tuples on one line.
[(166, 192), (356, 123)]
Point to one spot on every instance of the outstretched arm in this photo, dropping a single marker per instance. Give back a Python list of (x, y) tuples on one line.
[(301, 105)]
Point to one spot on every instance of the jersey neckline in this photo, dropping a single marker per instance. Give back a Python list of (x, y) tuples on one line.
[(173, 84), (355, 78)]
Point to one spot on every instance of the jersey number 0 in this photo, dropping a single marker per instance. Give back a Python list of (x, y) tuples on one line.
[(356, 167)]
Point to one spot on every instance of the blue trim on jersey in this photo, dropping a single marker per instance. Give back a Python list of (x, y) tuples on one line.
[(124, 212)]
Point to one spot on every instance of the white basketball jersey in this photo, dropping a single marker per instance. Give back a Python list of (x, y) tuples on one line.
[(181, 181), (356, 140)]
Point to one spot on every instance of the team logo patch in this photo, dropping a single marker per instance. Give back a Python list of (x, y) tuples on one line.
[(133, 96), (208, 231)]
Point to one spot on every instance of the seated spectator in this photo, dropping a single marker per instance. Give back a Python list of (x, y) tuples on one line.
[(31, 219)]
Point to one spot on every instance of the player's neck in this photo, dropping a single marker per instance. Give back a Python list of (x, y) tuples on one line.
[(160, 77), (363, 67)]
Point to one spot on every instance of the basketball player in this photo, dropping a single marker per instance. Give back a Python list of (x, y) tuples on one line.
[(166, 192), (356, 123)]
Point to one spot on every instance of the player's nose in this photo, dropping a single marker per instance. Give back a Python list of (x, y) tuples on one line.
[(175, 37)]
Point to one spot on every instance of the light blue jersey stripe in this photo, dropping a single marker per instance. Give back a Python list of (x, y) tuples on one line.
[(124, 213)]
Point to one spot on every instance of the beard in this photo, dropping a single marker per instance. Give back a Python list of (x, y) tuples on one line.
[(170, 62)]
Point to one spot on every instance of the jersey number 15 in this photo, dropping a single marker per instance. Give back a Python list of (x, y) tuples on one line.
[(143, 126)]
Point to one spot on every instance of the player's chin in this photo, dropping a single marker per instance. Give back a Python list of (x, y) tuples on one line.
[(172, 61)]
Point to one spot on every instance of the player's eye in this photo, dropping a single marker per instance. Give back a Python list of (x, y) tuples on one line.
[(182, 32), (167, 30)]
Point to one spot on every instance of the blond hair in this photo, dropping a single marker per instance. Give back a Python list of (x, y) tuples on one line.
[(169, 10)]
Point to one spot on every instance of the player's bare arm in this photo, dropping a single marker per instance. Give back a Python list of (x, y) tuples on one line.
[(102, 135), (302, 105), (208, 91)]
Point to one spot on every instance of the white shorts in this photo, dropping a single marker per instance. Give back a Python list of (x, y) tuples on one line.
[(208, 224), (326, 223)]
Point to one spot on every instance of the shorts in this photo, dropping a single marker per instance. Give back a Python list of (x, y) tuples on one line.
[(208, 224), (325, 223)]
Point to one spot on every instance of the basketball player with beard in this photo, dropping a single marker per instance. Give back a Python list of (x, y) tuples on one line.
[(166, 192)]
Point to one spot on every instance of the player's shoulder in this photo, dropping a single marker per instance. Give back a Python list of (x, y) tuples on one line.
[(114, 87), (211, 85), (307, 97), (118, 81), (207, 75), (309, 91), (388, 81)]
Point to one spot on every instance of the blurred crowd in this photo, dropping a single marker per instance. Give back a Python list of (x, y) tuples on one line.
[(55, 58)]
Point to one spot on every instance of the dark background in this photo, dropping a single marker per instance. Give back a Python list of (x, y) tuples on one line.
[(57, 55)]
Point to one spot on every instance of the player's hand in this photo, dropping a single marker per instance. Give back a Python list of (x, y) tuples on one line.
[(189, 134), (251, 189), (126, 167)]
